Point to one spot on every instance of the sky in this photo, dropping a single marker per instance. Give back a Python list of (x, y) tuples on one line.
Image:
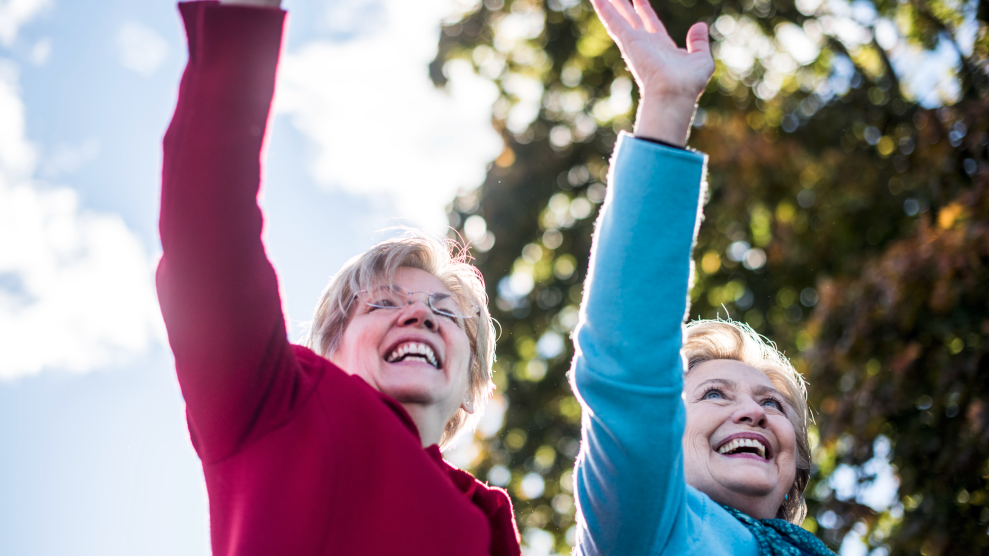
[(94, 451)]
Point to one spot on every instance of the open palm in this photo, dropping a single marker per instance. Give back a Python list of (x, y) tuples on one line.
[(659, 66), (670, 79)]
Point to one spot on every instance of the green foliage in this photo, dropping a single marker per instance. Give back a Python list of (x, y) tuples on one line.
[(845, 221)]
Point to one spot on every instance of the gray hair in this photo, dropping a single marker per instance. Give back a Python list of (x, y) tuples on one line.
[(446, 259)]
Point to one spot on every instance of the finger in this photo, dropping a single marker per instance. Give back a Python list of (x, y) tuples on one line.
[(698, 39), (628, 13), (613, 21), (652, 22)]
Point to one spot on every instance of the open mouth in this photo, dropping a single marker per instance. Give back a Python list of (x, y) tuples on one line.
[(413, 351), (747, 445)]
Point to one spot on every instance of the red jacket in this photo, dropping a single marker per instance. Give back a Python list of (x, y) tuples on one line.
[(300, 458)]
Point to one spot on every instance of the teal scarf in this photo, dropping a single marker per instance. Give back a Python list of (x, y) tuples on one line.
[(777, 537)]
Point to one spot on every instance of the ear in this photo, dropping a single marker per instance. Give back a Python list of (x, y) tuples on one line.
[(468, 407)]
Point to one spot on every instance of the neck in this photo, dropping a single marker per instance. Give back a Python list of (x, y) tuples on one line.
[(758, 507), (428, 421)]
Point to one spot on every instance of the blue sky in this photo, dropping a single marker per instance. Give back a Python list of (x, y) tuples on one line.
[(94, 453)]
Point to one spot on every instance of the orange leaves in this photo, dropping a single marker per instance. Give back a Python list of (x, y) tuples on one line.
[(951, 214)]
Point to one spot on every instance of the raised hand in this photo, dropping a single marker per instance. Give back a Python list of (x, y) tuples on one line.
[(670, 79)]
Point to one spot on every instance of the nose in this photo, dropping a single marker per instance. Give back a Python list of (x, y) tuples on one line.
[(418, 313), (752, 414)]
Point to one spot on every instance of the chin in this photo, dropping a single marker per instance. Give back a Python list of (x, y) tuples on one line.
[(409, 393), (749, 485), (411, 397)]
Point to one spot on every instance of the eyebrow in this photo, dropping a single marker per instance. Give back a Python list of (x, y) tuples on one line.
[(729, 384), (732, 385), (769, 389), (764, 389), (395, 287)]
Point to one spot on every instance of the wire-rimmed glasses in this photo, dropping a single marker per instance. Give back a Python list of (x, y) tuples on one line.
[(395, 297)]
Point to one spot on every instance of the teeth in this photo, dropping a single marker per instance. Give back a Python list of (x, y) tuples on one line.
[(743, 443), (414, 349)]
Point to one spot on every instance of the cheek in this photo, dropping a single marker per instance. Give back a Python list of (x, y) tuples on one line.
[(359, 342), (457, 343), (786, 435), (787, 438), (459, 348), (700, 425)]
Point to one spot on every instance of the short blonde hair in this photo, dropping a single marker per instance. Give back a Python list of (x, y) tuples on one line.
[(707, 340), (447, 260)]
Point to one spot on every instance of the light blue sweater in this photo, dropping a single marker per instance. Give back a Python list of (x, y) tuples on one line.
[(632, 498)]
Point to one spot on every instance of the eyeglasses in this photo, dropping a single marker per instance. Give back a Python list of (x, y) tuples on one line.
[(394, 297)]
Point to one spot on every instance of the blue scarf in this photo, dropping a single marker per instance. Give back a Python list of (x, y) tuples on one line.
[(777, 537)]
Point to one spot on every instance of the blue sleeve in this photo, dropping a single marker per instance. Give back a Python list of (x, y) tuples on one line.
[(628, 371)]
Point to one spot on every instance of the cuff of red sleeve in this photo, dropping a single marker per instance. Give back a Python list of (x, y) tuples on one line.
[(237, 31)]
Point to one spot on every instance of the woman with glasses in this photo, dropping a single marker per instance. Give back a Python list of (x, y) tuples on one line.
[(694, 439), (332, 447)]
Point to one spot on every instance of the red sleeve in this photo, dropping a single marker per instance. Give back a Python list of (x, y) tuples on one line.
[(504, 532), (218, 292)]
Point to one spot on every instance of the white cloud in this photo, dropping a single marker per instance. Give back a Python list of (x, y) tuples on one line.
[(66, 159), (379, 126), (14, 14), (142, 49), (41, 51), (17, 156), (76, 288)]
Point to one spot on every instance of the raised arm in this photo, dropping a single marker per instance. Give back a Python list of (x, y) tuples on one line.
[(627, 372), (218, 292)]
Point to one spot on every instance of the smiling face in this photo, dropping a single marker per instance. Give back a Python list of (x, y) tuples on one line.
[(739, 445), (417, 357)]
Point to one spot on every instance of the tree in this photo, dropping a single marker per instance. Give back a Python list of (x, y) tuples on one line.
[(848, 220)]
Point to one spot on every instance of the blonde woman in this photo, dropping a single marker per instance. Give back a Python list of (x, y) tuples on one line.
[(704, 456), (332, 447)]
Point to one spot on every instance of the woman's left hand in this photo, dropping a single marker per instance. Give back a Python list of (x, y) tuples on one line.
[(670, 79)]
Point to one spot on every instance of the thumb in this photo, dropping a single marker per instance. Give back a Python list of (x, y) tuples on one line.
[(698, 39)]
